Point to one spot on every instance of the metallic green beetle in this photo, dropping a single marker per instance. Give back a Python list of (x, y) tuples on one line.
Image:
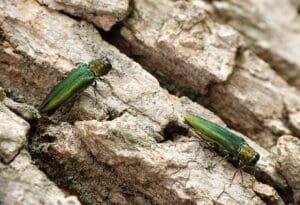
[(228, 142), (76, 81)]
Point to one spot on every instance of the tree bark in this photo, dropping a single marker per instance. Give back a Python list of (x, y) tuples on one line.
[(124, 141)]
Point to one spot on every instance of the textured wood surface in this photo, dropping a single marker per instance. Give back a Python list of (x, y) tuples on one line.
[(125, 142)]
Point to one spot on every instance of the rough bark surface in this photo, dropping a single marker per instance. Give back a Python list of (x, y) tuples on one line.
[(23, 183), (273, 35), (13, 131), (103, 14), (289, 165), (125, 141), (189, 50)]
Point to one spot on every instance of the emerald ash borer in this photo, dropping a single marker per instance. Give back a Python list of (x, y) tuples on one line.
[(75, 82), (227, 142)]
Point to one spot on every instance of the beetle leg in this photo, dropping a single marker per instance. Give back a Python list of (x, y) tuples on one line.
[(67, 109), (240, 169), (95, 87), (234, 175), (222, 192), (226, 157)]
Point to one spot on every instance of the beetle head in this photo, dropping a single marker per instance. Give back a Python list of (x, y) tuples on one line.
[(248, 155), (100, 66)]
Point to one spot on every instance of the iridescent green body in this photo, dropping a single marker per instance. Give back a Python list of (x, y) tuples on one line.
[(76, 81), (227, 141)]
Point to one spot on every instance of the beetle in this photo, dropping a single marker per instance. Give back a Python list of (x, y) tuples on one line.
[(75, 82), (226, 141)]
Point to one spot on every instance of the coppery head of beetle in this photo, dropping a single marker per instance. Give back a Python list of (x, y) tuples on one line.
[(248, 155), (100, 66)]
